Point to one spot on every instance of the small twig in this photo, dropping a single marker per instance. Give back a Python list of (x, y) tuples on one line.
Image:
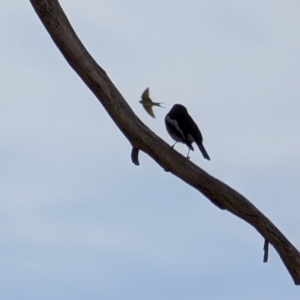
[(135, 156), (266, 249)]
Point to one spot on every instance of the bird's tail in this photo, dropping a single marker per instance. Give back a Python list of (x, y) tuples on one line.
[(203, 151), (158, 104)]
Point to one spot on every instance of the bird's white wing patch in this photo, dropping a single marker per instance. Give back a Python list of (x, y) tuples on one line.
[(175, 124)]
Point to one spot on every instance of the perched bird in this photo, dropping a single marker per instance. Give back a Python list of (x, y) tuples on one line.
[(182, 128), (148, 103)]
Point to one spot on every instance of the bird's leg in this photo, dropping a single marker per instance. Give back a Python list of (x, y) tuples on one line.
[(174, 145), (188, 154)]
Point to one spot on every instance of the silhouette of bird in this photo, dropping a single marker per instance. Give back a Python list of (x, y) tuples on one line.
[(182, 128), (148, 103)]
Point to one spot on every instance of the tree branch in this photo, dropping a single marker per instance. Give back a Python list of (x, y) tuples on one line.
[(142, 138)]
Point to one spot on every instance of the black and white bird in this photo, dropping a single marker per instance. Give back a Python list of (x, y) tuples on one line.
[(148, 103), (182, 128)]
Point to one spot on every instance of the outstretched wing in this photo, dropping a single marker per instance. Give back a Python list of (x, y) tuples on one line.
[(146, 94), (149, 110)]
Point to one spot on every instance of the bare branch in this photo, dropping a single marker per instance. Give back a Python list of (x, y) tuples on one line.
[(141, 137)]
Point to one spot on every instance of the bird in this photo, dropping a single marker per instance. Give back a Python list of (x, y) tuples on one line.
[(182, 128), (148, 103)]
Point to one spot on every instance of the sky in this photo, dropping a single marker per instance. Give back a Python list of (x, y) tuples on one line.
[(79, 221)]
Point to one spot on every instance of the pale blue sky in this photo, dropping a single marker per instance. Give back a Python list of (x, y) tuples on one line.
[(79, 221)]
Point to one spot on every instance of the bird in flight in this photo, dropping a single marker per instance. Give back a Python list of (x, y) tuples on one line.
[(148, 103), (182, 128)]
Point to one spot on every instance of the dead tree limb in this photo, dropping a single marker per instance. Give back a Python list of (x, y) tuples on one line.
[(142, 138)]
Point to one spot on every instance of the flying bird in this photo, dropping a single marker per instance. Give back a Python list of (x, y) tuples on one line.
[(182, 128), (148, 103)]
